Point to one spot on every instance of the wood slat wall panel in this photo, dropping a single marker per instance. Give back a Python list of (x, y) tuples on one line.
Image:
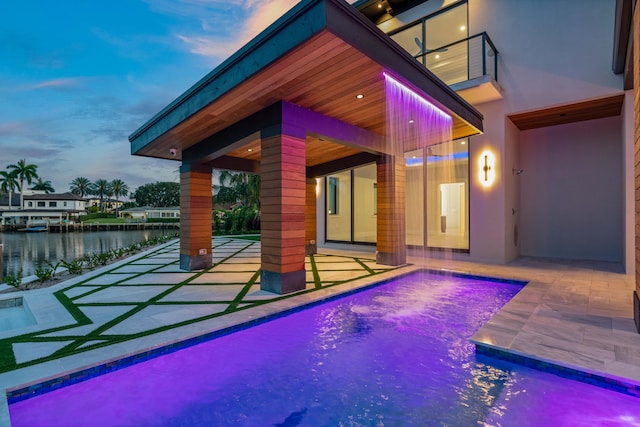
[(283, 192), (391, 206), (636, 102), (195, 212)]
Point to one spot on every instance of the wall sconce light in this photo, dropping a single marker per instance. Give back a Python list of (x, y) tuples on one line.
[(487, 167)]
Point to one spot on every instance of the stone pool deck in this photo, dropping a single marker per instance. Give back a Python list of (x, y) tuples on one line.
[(573, 314)]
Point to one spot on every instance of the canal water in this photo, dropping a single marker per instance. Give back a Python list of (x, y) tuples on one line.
[(32, 250)]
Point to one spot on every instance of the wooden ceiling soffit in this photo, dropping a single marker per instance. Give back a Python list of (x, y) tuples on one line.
[(317, 56), (586, 110)]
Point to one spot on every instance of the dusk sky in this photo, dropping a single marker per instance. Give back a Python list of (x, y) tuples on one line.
[(77, 77)]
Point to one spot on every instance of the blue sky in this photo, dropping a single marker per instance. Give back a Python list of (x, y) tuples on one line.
[(77, 77)]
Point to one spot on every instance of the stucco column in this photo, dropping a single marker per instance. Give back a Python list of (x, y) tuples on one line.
[(391, 247), (282, 210), (311, 227), (195, 217)]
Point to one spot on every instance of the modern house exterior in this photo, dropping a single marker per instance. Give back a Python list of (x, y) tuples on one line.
[(109, 204), (39, 208), (148, 213), (540, 163)]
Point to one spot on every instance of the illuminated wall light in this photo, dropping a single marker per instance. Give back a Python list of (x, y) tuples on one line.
[(487, 168), (359, 96), (462, 28), (250, 150), (317, 187), (437, 56)]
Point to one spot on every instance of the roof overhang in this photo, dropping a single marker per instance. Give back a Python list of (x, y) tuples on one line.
[(623, 56), (318, 56)]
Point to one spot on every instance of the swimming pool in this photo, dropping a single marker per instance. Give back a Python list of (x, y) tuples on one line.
[(394, 355)]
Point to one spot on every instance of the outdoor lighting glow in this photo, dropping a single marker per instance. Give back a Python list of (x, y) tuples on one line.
[(414, 94), (463, 142), (317, 187), (379, 5), (359, 96), (437, 56), (411, 121), (250, 149), (487, 168), (462, 28)]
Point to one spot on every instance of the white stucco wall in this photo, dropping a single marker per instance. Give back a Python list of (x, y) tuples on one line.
[(571, 199)]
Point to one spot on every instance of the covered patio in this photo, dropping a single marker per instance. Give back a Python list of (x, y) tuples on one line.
[(303, 99)]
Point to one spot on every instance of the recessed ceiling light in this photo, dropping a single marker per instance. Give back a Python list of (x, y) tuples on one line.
[(463, 142), (380, 5), (437, 56), (250, 149), (462, 28), (359, 96), (411, 121)]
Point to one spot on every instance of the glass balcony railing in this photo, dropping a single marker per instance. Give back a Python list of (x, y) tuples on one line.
[(463, 60)]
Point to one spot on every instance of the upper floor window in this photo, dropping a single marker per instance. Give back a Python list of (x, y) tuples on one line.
[(53, 204), (30, 204), (41, 204), (64, 203), (432, 41)]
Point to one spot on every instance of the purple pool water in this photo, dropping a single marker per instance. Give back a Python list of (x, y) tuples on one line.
[(394, 355)]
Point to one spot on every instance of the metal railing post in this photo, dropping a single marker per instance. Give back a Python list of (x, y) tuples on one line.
[(484, 54)]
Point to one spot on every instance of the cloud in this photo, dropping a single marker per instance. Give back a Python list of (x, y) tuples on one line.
[(13, 128), (257, 17), (62, 83), (209, 47)]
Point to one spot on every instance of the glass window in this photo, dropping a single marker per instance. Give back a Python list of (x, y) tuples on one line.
[(365, 204), (332, 195), (447, 183), (30, 204), (41, 204), (339, 206), (446, 60), (411, 39), (53, 204), (414, 197)]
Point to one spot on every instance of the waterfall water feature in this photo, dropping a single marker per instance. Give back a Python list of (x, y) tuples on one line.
[(419, 133)]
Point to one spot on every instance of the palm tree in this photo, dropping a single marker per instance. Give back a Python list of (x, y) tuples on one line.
[(24, 172), (238, 187), (43, 186), (8, 183), (119, 188), (102, 189), (81, 186)]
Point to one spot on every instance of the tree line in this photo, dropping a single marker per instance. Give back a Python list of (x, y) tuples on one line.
[(15, 178), (233, 188)]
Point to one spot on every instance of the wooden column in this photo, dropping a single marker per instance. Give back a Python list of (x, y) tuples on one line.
[(282, 216), (391, 248), (311, 228), (636, 103), (195, 217)]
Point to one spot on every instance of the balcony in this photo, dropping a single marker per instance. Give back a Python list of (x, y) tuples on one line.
[(469, 66)]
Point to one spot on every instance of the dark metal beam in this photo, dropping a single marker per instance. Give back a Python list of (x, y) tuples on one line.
[(349, 162), (622, 34)]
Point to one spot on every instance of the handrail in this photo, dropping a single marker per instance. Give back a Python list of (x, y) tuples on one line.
[(466, 39), (476, 63)]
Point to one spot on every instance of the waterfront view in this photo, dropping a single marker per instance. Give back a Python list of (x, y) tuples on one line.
[(30, 250)]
